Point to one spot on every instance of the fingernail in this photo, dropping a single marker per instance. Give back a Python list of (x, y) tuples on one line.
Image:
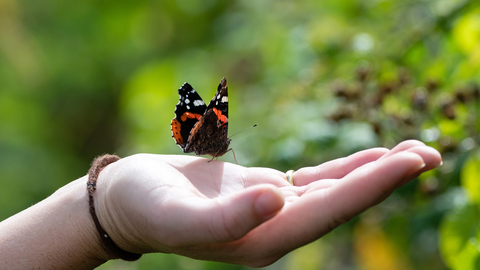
[(421, 166), (269, 203)]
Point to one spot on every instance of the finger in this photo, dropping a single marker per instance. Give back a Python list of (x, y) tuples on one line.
[(369, 185), (255, 176), (199, 221), (403, 146), (317, 185), (338, 168), (430, 156)]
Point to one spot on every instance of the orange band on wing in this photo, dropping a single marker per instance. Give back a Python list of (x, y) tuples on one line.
[(189, 115), (220, 116), (176, 127)]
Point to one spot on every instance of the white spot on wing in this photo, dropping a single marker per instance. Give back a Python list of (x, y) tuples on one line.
[(188, 107), (198, 102), (224, 99), (187, 100)]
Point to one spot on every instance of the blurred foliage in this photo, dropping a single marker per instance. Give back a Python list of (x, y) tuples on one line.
[(322, 79)]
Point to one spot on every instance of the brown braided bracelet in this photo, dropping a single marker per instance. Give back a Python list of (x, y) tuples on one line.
[(110, 247)]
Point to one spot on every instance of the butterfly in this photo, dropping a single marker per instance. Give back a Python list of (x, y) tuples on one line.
[(199, 128)]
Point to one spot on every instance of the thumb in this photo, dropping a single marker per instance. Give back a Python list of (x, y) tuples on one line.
[(231, 217), (240, 212)]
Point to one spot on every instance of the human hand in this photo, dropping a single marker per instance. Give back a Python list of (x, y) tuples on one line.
[(225, 212)]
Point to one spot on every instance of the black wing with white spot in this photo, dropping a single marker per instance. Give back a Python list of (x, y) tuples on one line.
[(189, 109), (220, 100)]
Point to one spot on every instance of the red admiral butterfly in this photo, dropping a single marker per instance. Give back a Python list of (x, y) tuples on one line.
[(198, 128)]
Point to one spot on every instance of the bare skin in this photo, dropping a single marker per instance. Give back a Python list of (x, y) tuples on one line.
[(205, 210)]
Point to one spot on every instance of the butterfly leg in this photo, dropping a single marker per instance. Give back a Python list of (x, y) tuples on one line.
[(233, 152), (234, 157)]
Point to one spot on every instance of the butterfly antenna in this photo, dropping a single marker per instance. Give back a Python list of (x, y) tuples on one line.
[(243, 130)]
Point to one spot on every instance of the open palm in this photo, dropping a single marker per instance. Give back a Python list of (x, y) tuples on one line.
[(225, 212)]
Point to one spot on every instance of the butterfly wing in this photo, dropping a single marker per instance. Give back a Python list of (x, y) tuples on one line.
[(209, 135), (219, 102), (190, 108)]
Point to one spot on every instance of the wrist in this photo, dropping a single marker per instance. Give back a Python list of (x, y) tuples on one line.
[(98, 165), (113, 209)]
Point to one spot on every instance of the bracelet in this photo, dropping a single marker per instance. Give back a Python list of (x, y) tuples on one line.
[(110, 247)]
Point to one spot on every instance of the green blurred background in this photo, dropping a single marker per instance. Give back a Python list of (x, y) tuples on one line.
[(322, 79)]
